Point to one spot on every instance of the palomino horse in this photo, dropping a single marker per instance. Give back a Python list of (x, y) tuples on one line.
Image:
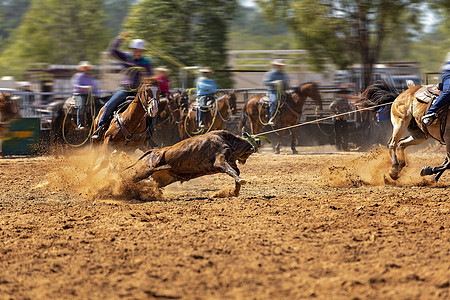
[(169, 118), (290, 112), (217, 116), (406, 114), (128, 129)]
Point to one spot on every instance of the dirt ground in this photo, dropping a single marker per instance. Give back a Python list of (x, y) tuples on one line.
[(321, 224)]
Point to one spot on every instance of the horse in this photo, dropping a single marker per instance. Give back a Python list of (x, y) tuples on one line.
[(64, 129), (290, 112), (169, 116), (406, 114), (9, 110), (217, 116), (129, 128)]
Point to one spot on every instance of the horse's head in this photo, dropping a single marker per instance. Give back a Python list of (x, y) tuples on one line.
[(232, 102), (149, 95), (9, 107), (182, 100), (311, 90)]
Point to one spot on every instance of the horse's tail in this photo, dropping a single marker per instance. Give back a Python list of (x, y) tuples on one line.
[(58, 115), (378, 94), (244, 117), (142, 156)]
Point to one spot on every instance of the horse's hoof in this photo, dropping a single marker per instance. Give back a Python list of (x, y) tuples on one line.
[(294, 152), (242, 181), (427, 170), (393, 174)]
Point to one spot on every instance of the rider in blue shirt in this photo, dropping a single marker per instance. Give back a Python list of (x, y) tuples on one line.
[(443, 98), (276, 81), (136, 66), (206, 88)]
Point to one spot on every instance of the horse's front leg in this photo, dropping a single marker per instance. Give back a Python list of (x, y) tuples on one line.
[(278, 145), (398, 131)]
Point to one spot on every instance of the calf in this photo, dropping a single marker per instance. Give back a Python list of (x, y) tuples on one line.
[(215, 152)]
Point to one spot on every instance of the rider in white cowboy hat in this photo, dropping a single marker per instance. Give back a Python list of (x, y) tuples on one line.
[(83, 84), (206, 88), (444, 97), (136, 66), (275, 80)]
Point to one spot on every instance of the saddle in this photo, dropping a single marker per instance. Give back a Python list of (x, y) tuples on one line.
[(264, 101), (70, 103), (427, 94)]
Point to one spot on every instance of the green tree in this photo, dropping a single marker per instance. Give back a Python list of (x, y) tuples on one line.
[(194, 32), (56, 31), (344, 30), (116, 11), (11, 12)]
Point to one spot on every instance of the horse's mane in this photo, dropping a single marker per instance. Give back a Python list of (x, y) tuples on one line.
[(378, 93)]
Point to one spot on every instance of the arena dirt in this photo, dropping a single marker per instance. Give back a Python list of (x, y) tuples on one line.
[(322, 224)]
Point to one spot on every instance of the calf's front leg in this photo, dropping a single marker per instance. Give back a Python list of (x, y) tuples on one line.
[(223, 166)]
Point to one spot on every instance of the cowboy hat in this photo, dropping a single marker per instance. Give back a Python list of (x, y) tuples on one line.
[(162, 69), (277, 62), (84, 64), (205, 70)]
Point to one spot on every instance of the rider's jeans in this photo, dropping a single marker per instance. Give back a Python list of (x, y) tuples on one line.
[(118, 98), (273, 103), (202, 106), (81, 105), (443, 99)]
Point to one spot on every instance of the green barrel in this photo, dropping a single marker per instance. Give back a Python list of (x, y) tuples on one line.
[(21, 136)]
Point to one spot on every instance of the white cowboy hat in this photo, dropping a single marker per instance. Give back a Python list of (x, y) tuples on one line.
[(137, 44), (205, 70), (162, 69), (84, 64), (277, 62)]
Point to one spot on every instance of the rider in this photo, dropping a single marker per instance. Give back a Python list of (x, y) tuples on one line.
[(340, 107), (83, 85), (444, 97), (206, 87), (136, 67), (163, 81), (276, 81)]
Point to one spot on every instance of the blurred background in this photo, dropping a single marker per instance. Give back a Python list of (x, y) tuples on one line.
[(41, 41)]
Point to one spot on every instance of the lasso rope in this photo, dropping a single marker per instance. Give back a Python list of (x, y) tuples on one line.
[(280, 93), (201, 130), (89, 102), (326, 118)]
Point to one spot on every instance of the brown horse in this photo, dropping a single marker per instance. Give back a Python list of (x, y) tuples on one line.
[(218, 115), (406, 114), (128, 129), (9, 108), (169, 117), (290, 112)]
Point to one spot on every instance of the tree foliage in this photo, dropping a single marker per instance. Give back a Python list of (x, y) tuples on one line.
[(347, 31), (192, 31), (11, 12), (56, 31)]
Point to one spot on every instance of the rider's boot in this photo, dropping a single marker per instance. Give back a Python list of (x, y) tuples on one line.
[(97, 135), (428, 119)]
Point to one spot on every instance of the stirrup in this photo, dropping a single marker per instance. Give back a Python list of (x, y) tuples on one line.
[(428, 119)]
